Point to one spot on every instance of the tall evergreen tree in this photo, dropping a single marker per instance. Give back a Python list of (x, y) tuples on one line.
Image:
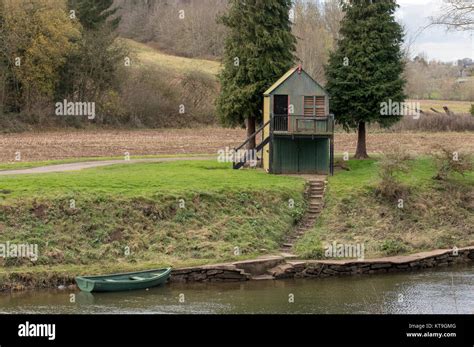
[(91, 70), (259, 49), (94, 13), (366, 69)]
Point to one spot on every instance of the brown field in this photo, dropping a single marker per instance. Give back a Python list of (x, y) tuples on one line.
[(459, 107), (111, 143)]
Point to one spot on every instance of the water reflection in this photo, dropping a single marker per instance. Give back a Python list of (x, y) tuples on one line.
[(450, 290)]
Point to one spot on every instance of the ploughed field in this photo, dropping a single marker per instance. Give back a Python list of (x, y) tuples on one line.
[(58, 145)]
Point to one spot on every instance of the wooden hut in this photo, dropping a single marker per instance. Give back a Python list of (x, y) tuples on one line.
[(297, 131)]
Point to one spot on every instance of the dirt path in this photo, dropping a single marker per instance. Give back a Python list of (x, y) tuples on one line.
[(91, 164)]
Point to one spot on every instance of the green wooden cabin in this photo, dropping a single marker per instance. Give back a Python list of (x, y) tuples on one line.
[(298, 131)]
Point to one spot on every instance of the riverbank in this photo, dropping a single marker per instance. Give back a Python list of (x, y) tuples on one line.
[(266, 268), (129, 217), (440, 290), (421, 215), (141, 215), (274, 267)]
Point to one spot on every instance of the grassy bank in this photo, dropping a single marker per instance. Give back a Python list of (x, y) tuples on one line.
[(126, 217), (139, 216), (435, 214)]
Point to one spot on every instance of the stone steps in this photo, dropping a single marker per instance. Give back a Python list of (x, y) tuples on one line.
[(259, 267), (315, 206)]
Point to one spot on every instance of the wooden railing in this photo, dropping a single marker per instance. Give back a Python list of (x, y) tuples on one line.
[(243, 158), (252, 136), (299, 124)]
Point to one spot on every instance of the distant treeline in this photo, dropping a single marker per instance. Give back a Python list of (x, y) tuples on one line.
[(194, 29), (53, 50), (437, 80), (56, 50), (315, 25)]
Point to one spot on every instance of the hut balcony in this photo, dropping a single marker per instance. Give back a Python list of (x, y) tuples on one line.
[(284, 124)]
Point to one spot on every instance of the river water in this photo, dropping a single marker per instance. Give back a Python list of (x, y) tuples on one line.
[(447, 290)]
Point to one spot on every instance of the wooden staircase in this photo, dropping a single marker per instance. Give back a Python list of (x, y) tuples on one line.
[(317, 187), (258, 148)]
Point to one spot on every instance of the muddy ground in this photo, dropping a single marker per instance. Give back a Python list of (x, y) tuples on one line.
[(108, 143)]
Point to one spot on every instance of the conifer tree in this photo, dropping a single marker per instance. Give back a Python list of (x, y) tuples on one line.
[(366, 69), (91, 70), (94, 13), (259, 49)]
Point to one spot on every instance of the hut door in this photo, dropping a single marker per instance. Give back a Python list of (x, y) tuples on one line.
[(280, 104), (280, 112)]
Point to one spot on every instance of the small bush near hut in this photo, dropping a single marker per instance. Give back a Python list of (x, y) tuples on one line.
[(449, 161), (392, 164)]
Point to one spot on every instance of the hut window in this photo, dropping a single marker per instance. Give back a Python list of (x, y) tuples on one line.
[(314, 106)]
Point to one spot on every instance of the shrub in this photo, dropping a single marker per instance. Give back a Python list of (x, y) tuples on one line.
[(472, 110), (392, 247), (152, 98), (392, 164), (449, 161), (297, 213)]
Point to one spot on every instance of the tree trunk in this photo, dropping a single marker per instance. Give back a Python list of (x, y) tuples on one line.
[(361, 151), (250, 125)]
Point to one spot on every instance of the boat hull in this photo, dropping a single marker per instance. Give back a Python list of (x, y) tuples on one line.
[(123, 281)]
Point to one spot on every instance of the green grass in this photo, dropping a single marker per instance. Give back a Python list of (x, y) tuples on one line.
[(144, 179), (454, 106), (139, 207), (364, 172), (435, 214), (150, 57)]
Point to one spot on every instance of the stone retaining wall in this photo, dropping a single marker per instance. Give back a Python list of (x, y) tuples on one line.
[(275, 267), (312, 269), (209, 273), (279, 267)]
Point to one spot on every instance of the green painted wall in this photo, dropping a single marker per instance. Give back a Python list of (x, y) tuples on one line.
[(300, 155), (296, 87)]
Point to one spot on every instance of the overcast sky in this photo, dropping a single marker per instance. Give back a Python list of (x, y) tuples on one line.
[(436, 42)]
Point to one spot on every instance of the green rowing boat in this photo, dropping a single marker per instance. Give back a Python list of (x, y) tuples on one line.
[(123, 281)]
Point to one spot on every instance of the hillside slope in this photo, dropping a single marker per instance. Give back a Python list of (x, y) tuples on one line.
[(150, 57), (165, 91)]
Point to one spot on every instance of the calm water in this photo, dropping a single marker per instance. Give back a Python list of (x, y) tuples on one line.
[(450, 290)]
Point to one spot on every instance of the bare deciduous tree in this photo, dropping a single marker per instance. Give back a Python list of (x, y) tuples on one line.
[(316, 26), (188, 28), (456, 15)]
